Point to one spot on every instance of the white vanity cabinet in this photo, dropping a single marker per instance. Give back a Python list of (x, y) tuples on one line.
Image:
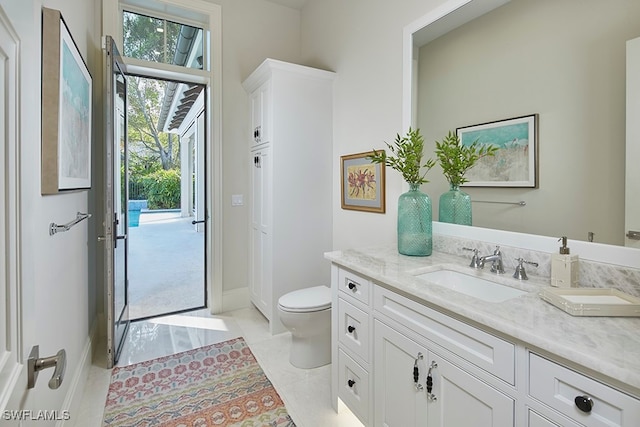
[(290, 161), (419, 382), (351, 330), (386, 345), (402, 372), (391, 349)]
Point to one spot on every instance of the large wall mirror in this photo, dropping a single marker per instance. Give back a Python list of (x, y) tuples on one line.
[(476, 61)]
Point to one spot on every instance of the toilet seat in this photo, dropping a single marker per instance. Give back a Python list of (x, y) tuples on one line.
[(306, 300)]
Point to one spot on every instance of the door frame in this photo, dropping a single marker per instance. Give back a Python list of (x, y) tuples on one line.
[(212, 79), (15, 338), (632, 143)]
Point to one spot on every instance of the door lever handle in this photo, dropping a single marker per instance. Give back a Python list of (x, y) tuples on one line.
[(194, 222), (35, 364)]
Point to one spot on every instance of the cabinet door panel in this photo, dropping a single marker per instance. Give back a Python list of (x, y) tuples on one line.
[(462, 400), (397, 401), (260, 261)]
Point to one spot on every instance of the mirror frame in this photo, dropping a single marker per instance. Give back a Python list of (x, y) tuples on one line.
[(431, 26)]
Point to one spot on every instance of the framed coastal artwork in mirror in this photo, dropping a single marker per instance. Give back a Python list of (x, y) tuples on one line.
[(362, 183), (66, 109), (515, 163)]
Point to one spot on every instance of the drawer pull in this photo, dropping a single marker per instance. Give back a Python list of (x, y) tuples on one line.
[(416, 372), (584, 403), (351, 329), (351, 383), (432, 397), (351, 285)]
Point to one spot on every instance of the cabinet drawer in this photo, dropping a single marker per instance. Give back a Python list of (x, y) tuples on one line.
[(536, 420), (353, 285), (353, 329), (557, 387), (484, 350), (353, 386)]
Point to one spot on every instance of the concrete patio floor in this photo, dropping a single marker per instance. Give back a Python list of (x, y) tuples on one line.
[(166, 265)]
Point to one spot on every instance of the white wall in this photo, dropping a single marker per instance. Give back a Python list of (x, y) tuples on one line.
[(362, 41), (252, 30), (55, 273)]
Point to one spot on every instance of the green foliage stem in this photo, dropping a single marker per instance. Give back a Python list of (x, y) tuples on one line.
[(407, 157), (456, 159)]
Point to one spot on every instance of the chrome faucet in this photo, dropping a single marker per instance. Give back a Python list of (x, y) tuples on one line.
[(496, 261)]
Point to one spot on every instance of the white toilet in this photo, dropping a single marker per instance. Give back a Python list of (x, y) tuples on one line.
[(307, 314)]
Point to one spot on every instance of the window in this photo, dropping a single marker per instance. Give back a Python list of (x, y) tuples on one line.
[(159, 40)]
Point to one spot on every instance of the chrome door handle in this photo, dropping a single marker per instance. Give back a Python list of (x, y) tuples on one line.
[(36, 364), (101, 238)]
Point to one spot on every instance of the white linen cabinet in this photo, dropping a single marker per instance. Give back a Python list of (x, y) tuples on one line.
[(290, 149)]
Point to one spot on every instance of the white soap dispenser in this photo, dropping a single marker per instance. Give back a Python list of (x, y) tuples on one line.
[(564, 267)]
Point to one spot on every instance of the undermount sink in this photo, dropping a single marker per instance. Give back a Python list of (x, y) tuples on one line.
[(476, 287)]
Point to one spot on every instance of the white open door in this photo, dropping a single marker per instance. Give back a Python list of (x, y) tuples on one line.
[(632, 184)]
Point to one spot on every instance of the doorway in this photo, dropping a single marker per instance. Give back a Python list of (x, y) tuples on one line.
[(166, 196)]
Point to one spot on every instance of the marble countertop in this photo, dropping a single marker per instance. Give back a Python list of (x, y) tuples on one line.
[(607, 347)]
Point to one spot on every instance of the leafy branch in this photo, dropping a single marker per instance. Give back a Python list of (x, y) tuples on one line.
[(456, 159), (406, 158)]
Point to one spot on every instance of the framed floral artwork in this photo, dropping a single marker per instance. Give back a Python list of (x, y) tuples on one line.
[(363, 183)]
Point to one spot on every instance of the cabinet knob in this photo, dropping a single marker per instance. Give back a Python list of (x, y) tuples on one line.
[(584, 403), (351, 285), (351, 329), (351, 383)]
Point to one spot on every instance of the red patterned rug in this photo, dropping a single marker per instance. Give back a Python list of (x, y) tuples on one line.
[(217, 385)]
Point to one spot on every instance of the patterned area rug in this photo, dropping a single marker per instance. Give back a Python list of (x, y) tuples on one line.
[(217, 385)]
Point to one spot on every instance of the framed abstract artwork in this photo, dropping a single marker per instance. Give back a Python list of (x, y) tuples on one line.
[(362, 183), (515, 163), (66, 109)]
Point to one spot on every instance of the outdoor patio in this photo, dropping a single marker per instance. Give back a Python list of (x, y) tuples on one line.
[(166, 265)]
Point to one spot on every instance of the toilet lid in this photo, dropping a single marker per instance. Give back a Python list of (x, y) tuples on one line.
[(309, 299)]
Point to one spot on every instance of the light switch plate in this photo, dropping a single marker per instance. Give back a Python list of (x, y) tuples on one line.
[(237, 200)]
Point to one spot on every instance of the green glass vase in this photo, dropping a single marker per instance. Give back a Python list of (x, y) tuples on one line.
[(415, 228), (455, 207)]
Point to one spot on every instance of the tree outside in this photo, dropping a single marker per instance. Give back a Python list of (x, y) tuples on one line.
[(154, 155)]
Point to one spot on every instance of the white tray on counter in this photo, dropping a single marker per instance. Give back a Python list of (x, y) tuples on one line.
[(592, 301)]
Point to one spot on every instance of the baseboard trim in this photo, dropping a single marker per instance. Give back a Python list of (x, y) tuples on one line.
[(235, 299), (74, 395)]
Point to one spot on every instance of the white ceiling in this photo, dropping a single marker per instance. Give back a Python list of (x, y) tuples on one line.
[(295, 4)]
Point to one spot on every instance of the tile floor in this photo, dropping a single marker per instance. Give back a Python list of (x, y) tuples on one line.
[(306, 392)]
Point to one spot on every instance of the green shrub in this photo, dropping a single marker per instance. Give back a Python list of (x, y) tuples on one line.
[(163, 189)]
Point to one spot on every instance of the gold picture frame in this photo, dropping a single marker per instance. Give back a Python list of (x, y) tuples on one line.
[(362, 183), (66, 109)]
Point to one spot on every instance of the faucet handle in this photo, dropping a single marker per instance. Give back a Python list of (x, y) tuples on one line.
[(520, 273), (475, 259)]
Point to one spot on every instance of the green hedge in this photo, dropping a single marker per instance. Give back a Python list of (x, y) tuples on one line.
[(163, 189)]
